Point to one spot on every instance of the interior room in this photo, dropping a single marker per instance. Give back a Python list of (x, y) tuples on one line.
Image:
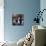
[(22, 23)]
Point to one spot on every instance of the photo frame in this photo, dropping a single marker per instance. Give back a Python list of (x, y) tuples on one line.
[(18, 19)]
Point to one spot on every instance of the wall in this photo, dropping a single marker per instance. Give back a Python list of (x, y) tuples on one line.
[(43, 6), (1, 20), (26, 7)]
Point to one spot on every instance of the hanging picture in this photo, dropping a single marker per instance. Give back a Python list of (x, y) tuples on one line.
[(18, 19)]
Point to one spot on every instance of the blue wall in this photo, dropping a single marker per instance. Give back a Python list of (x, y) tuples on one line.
[(26, 7)]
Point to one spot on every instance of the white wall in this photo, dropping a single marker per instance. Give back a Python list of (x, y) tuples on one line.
[(1, 20)]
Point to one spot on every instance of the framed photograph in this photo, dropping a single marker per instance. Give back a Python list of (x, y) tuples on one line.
[(18, 19)]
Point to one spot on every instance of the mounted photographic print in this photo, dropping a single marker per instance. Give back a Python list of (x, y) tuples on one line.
[(18, 19)]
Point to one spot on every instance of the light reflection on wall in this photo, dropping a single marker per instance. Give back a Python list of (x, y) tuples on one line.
[(1, 21)]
